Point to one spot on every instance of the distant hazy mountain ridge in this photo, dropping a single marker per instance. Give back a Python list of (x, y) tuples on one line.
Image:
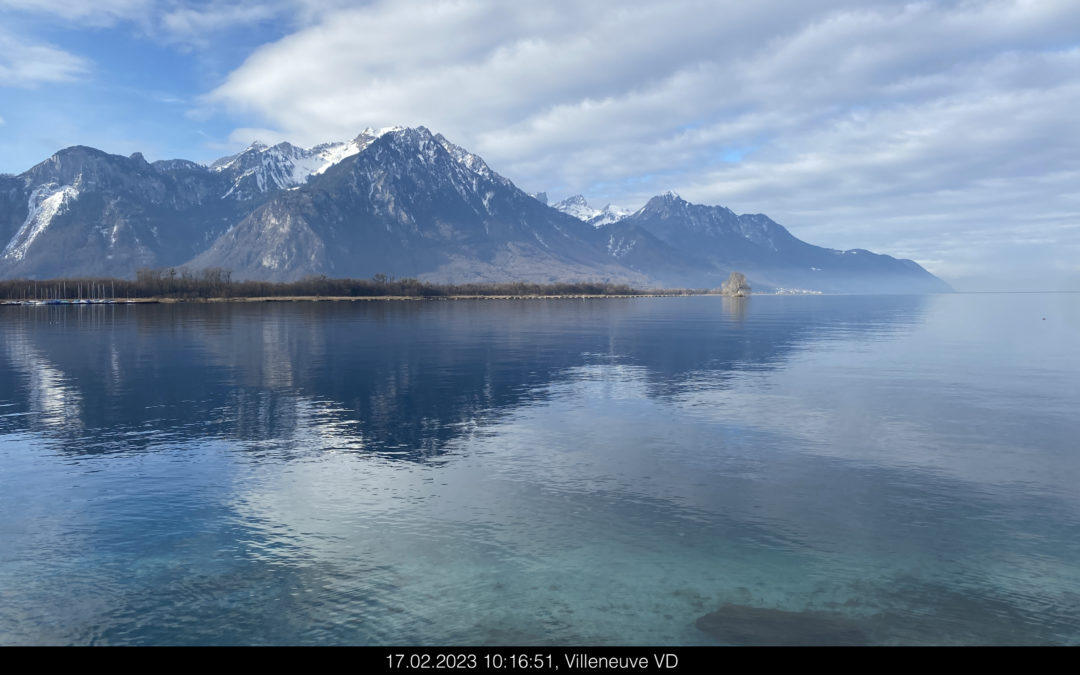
[(398, 201)]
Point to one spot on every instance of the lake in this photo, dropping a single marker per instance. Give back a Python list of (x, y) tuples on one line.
[(561, 471)]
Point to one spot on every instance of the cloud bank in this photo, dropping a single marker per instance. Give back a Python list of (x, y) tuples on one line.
[(941, 131)]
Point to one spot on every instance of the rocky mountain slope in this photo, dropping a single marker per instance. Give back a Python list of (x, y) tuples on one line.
[(412, 204), (84, 212), (714, 241), (396, 201)]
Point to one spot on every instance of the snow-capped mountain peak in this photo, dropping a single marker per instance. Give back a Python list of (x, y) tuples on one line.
[(260, 168), (577, 207), (371, 134), (610, 214)]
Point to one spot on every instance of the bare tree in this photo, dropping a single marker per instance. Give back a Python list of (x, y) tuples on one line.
[(736, 286)]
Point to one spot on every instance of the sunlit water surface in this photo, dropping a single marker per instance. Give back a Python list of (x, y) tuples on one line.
[(540, 471)]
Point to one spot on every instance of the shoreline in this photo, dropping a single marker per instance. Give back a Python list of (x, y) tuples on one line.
[(339, 298)]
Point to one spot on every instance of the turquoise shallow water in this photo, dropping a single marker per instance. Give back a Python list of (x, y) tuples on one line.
[(541, 472)]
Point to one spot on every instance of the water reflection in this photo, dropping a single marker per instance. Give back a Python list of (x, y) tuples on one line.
[(602, 472), (735, 307), (404, 378), (50, 399)]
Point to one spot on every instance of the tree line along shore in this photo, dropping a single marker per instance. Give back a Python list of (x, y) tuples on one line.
[(215, 284)]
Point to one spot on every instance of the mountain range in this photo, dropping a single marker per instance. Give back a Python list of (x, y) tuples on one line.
[(399, 201)]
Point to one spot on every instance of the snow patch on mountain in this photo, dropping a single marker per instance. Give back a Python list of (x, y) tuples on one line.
[(285, 166), (46, 202), (577, 207), (261, 168), (610, 214), (619, 247)]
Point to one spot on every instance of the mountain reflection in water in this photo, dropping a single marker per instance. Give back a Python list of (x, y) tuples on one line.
[(542, 471), (397, 377)]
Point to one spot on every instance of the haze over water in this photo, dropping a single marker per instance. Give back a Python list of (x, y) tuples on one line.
[(540, 471)]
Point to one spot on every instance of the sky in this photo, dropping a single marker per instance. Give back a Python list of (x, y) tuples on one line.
[(945, 132)]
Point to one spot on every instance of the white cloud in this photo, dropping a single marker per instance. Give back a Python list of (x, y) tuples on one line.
[(97, 13), (174, 21), (27, 64), (189, 21)]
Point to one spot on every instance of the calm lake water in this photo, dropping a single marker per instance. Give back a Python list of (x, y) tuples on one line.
[(542, 471)]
